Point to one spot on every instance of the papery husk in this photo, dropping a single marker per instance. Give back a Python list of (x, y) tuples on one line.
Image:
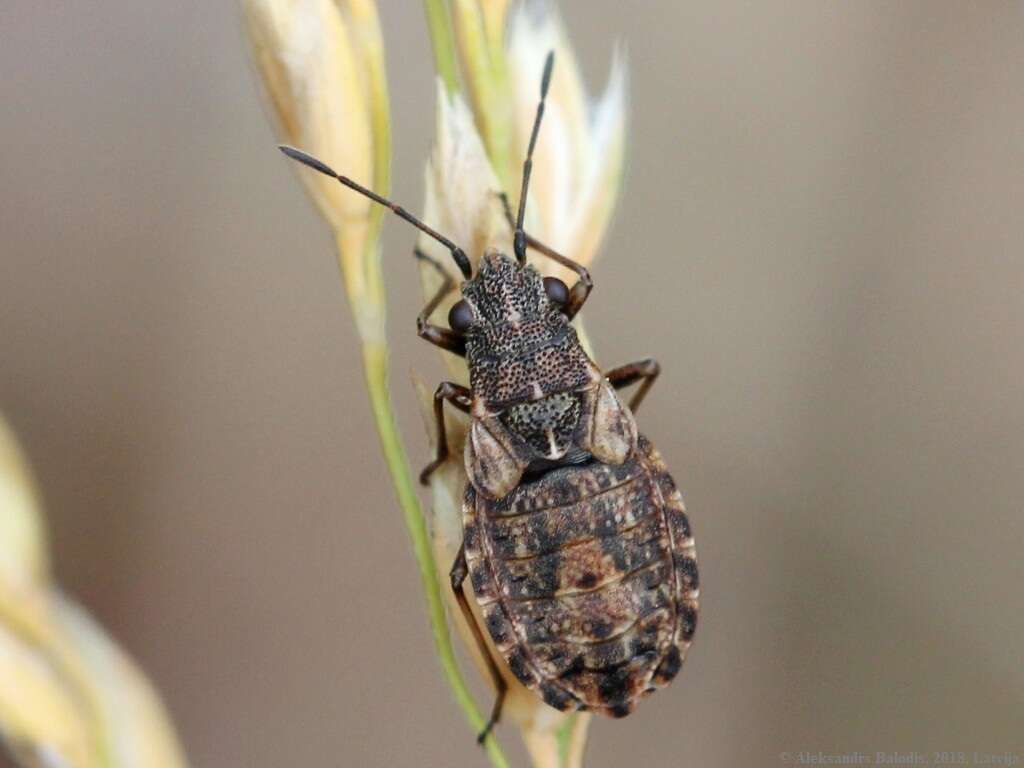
[(322, 65), (69, 696), (579, 158), (23, 555), (462, 200)]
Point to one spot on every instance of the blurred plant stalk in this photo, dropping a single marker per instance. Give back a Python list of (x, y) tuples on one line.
[(69, 697), (322, 66), (321, 62)]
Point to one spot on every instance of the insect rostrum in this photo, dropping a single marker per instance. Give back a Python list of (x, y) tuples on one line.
[(575, 538)]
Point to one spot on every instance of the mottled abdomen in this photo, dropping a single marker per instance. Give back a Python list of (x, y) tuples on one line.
[(587, 580)]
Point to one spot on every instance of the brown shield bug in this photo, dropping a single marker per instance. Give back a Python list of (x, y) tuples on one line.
[(575, 537)]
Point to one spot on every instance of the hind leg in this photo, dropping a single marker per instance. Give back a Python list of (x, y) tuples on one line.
[(458, 577)]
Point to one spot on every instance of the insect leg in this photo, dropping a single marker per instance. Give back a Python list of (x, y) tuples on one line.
[(642, 370), (458, 396), (581, 290), (435, 334), (458, 577)]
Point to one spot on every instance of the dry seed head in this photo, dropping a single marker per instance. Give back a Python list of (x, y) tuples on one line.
[(579, 158), (322, 65), (461, 201), (22, 537), (461, 186), (315, 76), (69, 696)]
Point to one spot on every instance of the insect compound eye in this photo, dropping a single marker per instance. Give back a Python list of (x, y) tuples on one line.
[(460, 316), (556, 290)]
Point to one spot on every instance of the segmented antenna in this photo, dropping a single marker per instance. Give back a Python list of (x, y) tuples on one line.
[(519, 238), (317, 165)]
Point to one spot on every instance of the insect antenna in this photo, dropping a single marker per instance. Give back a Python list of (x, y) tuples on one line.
[(318, 165), (519, 238)]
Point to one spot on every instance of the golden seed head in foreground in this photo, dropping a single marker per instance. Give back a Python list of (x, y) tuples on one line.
[(69, 696)]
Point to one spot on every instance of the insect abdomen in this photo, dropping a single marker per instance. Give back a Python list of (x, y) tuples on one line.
[(587, 580)]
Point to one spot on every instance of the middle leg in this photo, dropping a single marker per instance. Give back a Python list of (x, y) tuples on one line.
[(445, 338), (461, 398), (643, 370)]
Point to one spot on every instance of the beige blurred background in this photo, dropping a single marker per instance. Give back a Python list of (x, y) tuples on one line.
[(821, 238)]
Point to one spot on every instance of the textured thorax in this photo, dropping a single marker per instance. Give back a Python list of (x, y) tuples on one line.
[(526, 361), (538, 399), (522, 348)]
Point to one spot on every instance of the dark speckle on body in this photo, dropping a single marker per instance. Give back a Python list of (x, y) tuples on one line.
[(597, 601)]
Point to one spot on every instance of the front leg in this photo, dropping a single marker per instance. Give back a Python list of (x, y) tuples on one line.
[(643, 370), (445, 338), (461, 398)]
